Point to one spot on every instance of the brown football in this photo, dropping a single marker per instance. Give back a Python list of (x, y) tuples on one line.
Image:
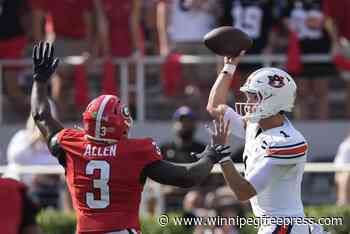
[(227, 41)]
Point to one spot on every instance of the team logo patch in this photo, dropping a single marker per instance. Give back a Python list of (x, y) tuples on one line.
[(94, 115), (125, 112), (276, 81)]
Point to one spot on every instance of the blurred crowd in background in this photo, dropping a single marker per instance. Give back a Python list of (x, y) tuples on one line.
[(100, 30), (105, 29)]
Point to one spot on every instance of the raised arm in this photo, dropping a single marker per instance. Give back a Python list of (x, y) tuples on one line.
[(90, 30), (102, 28), (331, 26), (186, 175), (162, 24), (218, 94), (44, 66), (135, 26)]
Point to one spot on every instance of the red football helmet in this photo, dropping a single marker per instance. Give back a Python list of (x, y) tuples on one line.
[(106, 119)]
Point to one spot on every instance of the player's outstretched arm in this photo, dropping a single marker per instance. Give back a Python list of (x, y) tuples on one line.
[(187, 175), (218, 93), (45, 65)]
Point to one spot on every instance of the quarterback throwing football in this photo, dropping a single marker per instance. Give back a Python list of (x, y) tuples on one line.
[(106, 170), (275, 152)]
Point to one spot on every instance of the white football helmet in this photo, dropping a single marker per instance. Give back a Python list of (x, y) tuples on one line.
[(275, 90)]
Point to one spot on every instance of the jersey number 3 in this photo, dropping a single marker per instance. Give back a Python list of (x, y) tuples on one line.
[(101, 184)]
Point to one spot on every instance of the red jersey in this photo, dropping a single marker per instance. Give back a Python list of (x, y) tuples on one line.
[(11, 192), (339, 11), (118, 14), (67, 15), (104, 180)]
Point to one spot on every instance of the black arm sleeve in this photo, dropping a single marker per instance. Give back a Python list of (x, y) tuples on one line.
[(41, 111), (29, 211), (56, 150), (181, 175)]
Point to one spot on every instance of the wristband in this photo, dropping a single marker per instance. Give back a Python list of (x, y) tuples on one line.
[(225, 159), (229, 69)]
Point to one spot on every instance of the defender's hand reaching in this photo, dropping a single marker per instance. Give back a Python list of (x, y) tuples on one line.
[(216, 153), (44, 62)]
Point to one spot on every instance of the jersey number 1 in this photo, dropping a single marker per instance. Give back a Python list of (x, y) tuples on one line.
[(101, 184)]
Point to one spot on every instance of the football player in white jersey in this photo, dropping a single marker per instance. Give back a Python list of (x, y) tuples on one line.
[(275, 152)]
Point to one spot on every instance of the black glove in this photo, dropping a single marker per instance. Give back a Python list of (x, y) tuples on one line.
[(195, 156), (44, 62), (216, 152)]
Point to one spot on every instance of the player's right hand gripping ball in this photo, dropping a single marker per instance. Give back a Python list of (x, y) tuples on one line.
[(44, 62), (227, 41)]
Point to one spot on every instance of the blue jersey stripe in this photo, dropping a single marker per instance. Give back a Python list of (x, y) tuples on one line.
[(286, 146), (286, 157)]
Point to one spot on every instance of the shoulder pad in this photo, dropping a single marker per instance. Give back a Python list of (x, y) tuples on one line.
[(284, 150), (287, 150)]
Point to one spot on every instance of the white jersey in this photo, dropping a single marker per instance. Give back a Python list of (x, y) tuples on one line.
[(274, 164)]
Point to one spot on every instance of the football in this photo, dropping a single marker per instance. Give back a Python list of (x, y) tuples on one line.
[(227, 41)]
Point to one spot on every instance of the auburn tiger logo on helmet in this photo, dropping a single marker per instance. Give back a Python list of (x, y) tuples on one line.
[(106, 119), (276, 81), (275, 90)]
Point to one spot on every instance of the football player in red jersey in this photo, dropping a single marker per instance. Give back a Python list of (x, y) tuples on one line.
[(18, 212), (106, 170)]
